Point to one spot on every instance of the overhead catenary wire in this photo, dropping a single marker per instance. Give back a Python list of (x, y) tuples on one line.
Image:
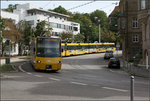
[(90, 3), (46, 4), (81, 5)]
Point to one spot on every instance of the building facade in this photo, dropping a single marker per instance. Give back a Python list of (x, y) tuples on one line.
[(144, 18), (129, 28), (59, 23), (32, 14)]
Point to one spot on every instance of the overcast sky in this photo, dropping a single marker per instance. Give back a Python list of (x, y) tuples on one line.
[(79, 6)]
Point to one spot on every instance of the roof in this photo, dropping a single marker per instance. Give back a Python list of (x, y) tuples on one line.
[(49, 12), (115, 9)]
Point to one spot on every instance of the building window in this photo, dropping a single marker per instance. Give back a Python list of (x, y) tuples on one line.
[(135, 23), (54, 25), (70, 28), (75, 28), (135, 38), (62, 26), (143, 4), (30, 22)]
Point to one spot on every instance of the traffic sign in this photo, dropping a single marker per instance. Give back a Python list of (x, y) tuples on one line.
[(118, 45)]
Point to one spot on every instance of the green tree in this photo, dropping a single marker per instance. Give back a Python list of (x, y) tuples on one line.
[(114, 22), (28, 33), (40, 28), (113, 25), (60, 10), (2, 27), (79, 38), (107, 36), (99, 15), (67, 36), (11, 7)]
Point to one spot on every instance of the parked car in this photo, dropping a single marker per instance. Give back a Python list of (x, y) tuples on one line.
[(108, 55), (114, 62)]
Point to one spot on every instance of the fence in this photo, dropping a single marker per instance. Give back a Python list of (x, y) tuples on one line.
[(138, 70)]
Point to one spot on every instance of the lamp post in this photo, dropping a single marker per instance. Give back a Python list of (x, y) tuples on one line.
[(99, 28)]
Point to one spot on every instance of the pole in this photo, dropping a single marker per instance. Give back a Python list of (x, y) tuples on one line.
[(132, 89), (99, 33), (147, 60), (0, 46)]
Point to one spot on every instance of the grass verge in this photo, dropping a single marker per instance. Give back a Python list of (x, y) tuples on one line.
[(6, 68)]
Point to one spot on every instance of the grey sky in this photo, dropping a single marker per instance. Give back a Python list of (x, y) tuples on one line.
[(89, 6)]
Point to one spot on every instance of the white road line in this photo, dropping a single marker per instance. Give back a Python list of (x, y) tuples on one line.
[(122, 90), (38, 75), (54, 79), (21, 69), (28, 73), (78, 83)]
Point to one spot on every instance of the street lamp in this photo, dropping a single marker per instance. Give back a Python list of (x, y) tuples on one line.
[(99, 28)]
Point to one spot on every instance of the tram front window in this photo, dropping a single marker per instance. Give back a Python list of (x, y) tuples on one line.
[(48, 47)]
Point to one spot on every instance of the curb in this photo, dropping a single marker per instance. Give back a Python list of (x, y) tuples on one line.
[(19, 67), (135, 73), (14, 67)]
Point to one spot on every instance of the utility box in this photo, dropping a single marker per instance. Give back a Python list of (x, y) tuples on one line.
[(7, 60)]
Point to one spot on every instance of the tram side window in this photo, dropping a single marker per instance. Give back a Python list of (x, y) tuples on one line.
[(71, 47), (86, 47), (79, 47), (99, 46)]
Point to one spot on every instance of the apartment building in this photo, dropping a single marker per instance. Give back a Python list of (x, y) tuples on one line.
[(129, 28), (59, 23), (31, 13), (144, 19)]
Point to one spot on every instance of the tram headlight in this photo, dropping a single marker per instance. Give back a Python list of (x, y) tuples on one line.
[(59, 62), (38, 61)]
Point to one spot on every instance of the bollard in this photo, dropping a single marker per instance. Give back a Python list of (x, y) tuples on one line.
[(7, 60), (132, 89)]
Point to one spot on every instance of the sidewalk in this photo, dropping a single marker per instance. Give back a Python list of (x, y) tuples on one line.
[(135, 70), (13, 59), (131, 68)]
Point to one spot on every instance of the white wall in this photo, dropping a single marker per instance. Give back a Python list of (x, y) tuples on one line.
[(54, 20), (8, 15)]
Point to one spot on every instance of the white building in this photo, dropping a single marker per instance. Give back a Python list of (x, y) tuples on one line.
[(58, 22), (8, 15), (31, 13)]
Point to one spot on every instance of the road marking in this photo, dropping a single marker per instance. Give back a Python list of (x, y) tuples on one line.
[(38, 75), (21, 69), (28, 73), (122, 90), (54, 79), (78, 83)]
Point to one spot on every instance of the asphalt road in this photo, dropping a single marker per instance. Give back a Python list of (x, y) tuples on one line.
[(84, 77)]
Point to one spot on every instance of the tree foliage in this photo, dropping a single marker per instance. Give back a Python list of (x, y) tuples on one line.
[(113, 26), (79, 38), (2, 24), (67, 36), (99, 15), (11, 7), (28, 33), (60, 10), (40, 28)]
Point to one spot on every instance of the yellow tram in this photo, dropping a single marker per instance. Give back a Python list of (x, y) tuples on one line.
[(46, 53), (69, 49)]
